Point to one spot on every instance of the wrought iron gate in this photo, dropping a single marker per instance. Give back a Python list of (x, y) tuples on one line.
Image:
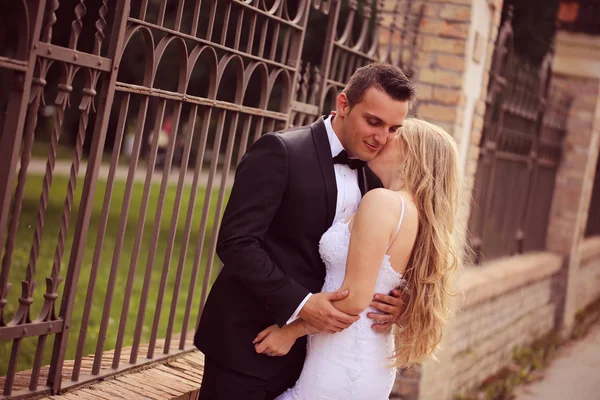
[(216, 75), (521, 147)]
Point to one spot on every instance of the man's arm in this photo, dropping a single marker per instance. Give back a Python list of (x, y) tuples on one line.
[(256, 195)]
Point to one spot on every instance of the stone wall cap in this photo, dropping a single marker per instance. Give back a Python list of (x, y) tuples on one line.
[(494, 278)]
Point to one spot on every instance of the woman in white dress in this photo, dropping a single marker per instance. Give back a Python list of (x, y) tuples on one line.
[(402, 235)]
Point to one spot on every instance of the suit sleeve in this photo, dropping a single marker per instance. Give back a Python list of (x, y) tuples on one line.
[(259, 186)]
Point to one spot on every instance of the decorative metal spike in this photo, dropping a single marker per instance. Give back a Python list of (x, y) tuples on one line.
[(50, 18), (100, 27), (77, 25)]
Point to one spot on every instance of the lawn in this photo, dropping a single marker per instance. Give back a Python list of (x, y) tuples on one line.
[(64, 152), (48, 246)]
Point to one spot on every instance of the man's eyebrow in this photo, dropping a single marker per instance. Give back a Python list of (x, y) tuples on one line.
[(373, 116), (368, 115)]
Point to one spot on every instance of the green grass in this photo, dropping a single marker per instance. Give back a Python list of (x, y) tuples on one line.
[(27, 223), (40, 150)]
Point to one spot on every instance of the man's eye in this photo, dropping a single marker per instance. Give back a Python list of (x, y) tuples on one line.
[(373, 123)]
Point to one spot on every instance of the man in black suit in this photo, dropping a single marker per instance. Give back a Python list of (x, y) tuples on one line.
[(289, 189)]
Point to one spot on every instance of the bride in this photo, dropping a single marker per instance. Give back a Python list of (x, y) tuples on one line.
[(402, 235)]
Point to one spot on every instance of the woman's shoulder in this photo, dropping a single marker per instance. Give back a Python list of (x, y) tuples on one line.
[(395, 204), (383, 197)]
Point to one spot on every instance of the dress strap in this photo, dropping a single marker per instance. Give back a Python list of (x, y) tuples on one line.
[(399, 223)]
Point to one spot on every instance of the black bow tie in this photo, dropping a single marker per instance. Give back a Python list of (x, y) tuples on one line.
[(353, 163)]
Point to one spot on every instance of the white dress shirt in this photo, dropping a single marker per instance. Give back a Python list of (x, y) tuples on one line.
[(348, 192)]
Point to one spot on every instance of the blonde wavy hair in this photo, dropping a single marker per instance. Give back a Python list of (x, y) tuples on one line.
[(433, 177)]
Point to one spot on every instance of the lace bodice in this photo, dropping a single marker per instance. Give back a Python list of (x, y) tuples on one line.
[(355, 363), (333, 248)]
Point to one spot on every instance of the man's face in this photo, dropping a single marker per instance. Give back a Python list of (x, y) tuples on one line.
[(370, 124)]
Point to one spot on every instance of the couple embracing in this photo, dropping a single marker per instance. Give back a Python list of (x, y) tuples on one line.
[(338, 247)]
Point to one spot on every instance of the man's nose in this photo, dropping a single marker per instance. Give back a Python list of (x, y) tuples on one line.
[(383, 137)]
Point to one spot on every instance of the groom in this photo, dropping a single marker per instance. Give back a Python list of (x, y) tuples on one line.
[(289, 189)]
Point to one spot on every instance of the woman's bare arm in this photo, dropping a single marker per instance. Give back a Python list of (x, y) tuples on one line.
[(373, 226)]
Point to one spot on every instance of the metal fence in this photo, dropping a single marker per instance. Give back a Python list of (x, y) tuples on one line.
[(128, 256), (521, 144)]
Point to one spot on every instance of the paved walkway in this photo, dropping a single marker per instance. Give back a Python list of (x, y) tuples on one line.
[(63, 167), (573, 375)]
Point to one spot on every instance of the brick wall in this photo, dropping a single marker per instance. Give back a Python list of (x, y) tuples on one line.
[(476, 128), (506, 303), (574, 181), (454, 55), (588, 280), (441, 61), (573, 189)]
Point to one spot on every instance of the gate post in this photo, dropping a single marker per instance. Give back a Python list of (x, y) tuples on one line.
[(574, 69)]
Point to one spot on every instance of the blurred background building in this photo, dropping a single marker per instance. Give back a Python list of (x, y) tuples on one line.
[(121, 123)]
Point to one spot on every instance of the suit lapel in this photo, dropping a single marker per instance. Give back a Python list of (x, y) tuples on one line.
[(362, 181), (367, 180), (323, 148)]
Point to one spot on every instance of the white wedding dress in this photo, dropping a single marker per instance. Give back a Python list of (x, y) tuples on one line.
[(355, 363)]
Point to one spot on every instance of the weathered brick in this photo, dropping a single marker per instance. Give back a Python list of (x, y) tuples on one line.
[(436, 112), (477, 122), (455, 13), (443, 45), (447, 126), (480, 107), (493, 328), (424, 91), (451, 62), (486, 80), (493, 34), (475, 135), (443, 28), (497, 15), (440, 78), (388, 5), (447, 96), (429, 9), (425, 59)]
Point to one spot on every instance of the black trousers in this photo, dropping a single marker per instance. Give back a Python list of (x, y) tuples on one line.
[(222, 383)]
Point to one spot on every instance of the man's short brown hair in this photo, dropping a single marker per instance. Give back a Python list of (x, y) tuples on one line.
[(385, 77)]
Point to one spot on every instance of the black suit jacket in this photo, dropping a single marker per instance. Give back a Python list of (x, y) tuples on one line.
[(282, 201)]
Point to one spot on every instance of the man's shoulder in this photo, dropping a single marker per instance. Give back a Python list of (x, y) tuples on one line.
[(295, 132), (296, 136)]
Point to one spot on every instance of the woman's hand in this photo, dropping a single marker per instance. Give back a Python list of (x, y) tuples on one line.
[(390, 308), (274, 341)]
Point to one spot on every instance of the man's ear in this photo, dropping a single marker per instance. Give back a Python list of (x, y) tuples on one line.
[(343, 105)]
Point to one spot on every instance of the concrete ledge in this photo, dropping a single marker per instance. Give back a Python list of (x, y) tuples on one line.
[(494, 278), (590, 249)]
